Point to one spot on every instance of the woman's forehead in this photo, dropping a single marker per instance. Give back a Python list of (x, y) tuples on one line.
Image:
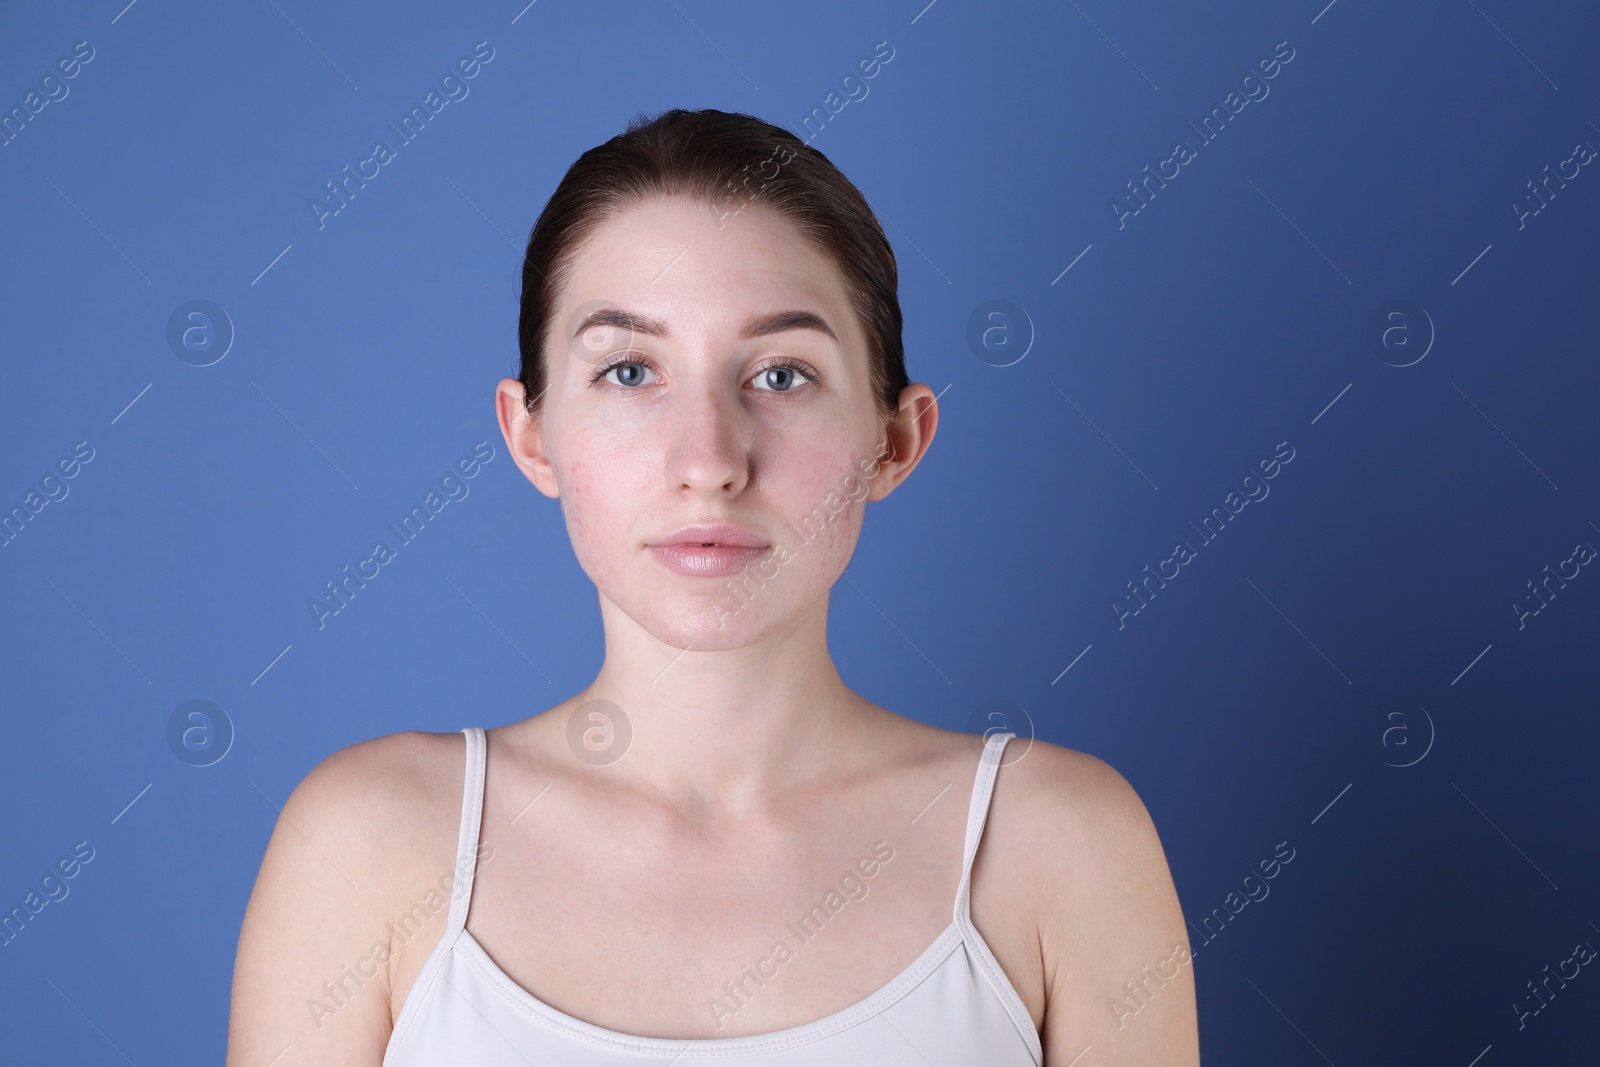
[(674, 251)]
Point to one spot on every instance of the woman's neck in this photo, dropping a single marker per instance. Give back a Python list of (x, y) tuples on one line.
[(730, 728)]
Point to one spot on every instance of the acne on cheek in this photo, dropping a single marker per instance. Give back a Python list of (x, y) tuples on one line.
[(833, 494), (589, 546), (570, 479)]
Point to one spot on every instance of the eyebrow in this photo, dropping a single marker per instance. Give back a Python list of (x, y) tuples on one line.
[(760, 326)]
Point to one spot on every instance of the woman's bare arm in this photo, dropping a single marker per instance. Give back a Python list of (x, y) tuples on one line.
[(1112, 933), (313, 978)]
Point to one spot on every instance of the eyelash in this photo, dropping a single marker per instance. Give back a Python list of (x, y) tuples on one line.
[(799, 368)]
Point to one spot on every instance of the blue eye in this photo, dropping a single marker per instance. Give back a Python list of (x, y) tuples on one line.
[(781, 377), (629, 373)]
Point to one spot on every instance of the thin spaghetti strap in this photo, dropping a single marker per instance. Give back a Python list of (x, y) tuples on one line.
[(471, 822), (982, 957), (977, 814)]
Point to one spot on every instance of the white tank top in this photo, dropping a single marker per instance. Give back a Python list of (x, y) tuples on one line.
[(951, 1005)]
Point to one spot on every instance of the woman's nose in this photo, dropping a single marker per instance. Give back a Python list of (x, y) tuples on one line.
[(708, 451)]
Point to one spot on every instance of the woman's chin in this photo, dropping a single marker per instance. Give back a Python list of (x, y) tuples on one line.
[(707, 623)]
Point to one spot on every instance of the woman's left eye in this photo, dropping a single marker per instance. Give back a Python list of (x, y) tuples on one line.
[(629, 373), (780, 379)]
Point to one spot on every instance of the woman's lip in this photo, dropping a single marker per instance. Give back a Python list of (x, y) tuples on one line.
[(711, 533), (708, 561)]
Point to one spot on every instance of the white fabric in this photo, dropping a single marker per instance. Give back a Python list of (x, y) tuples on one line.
[(951, 1006)]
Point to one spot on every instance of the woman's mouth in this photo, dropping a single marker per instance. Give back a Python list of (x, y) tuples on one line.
[(706, 560), (709, 551)]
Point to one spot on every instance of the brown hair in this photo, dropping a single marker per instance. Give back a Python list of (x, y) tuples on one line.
[(728, 159)]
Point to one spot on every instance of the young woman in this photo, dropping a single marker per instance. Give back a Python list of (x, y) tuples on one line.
[(716, 851)]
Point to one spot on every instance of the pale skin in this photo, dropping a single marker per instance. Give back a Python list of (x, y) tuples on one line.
[(629, 893)]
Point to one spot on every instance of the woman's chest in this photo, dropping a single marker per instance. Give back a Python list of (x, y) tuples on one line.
[(688, 938)]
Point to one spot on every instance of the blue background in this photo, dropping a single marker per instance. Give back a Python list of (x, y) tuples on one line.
[(1359, 617)]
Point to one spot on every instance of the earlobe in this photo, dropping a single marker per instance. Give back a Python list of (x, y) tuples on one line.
[(523, 438)]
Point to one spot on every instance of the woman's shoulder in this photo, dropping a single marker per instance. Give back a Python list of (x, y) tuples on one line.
[(1084, 874), (386, 807), (406, 760), (1057, 815), (1047, 782), (354, 837), (401, 768), (1037, 781), (1066, 819), (396, 782)]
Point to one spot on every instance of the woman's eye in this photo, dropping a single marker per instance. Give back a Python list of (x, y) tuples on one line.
[(780, 379), (627, 373)]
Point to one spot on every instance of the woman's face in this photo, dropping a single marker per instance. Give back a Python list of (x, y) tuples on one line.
[(708, 372)]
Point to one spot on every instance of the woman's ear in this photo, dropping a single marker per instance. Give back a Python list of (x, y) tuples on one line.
[(523, 437), (906, 438)]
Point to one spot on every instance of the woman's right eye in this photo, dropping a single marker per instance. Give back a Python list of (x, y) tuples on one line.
[(628, 373)]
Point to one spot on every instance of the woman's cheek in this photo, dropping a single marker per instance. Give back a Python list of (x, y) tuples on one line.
[(825, 509), (586, 518)]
